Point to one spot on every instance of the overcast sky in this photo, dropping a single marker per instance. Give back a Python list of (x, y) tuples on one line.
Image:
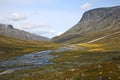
[(47, 17)]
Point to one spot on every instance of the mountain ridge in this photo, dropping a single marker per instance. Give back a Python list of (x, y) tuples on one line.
[(9, 31), (94, 23)]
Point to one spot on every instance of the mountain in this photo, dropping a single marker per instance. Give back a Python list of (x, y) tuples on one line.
[(10, 31), (98, 24)]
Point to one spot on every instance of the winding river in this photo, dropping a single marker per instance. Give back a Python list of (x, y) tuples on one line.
[(27, 61)]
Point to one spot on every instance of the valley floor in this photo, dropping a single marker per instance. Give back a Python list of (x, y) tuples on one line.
[(84, 62), (11, 47)]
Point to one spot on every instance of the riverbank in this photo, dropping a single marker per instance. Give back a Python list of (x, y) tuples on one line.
[(74, 65), (31, 60), (10, 47), (86, 62)]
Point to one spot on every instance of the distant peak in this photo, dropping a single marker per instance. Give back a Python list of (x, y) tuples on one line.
[(100, 13), (10, 26), (7, 26)]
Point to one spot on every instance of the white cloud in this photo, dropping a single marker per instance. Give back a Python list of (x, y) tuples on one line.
[(46, 32), (59, 33), (30, 26), (17, 16), (37, 28), (49, 33), (86, 6)]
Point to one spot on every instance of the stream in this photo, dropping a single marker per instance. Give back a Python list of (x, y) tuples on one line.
[(28, 61)]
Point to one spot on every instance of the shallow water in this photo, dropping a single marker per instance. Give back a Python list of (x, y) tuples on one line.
[(28, 60), (31, 60)]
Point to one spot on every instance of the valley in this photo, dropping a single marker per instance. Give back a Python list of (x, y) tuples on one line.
[(90, 50), (11, 47), (86, 61)]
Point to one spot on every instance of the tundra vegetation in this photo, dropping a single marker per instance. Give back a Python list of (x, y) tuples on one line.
[(10, 47), (95, 53), (93, 61)]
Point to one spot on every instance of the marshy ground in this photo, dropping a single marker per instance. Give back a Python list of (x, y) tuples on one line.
[(84, 62)]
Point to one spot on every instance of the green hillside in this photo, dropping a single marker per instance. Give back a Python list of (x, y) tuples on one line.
[(10, 47)]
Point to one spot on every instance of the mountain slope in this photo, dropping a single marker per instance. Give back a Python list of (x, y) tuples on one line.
[(11, 47), (94, 24), (10, 31), (111, 36)]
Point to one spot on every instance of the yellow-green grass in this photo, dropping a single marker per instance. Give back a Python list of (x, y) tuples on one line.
[(99, 47), (73, 65), (91, 47), (10, 47), (95, 61)]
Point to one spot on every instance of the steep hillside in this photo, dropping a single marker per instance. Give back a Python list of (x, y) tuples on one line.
[(10, 31), (95, 23)]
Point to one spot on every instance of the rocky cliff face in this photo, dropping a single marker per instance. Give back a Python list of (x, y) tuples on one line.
[(94, 24), (10, 31)]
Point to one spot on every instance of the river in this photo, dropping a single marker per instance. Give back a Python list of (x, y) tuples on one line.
[(27, 61)]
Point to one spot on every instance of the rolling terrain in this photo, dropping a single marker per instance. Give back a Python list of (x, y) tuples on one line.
[(93, 54)]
